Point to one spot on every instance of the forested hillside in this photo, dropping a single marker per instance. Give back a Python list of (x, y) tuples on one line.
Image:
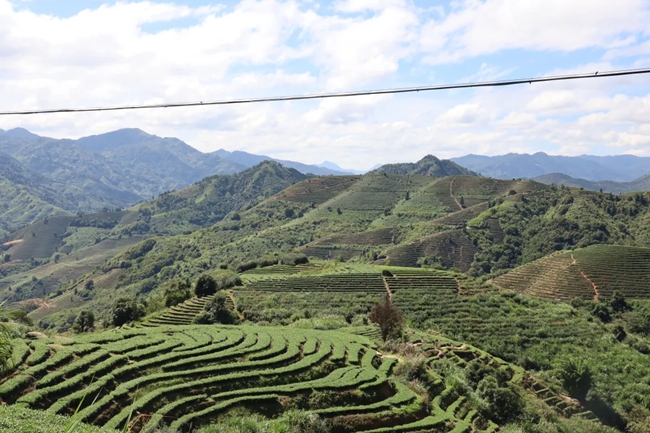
[(28, 196)]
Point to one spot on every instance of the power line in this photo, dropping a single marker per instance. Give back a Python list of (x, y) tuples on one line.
[(597, 74)]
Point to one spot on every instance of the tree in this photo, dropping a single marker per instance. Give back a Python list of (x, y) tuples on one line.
[(205, 286), (177, 292), (90, 284), (387, 316), (618, 303), (576, 377), (408, 195), (84, 322), (125, 310)]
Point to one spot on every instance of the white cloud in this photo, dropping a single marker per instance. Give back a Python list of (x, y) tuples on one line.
[(484, 27), (105, 56)]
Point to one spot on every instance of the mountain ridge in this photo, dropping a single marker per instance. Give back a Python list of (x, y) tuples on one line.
[(640, 184), (617, 168)]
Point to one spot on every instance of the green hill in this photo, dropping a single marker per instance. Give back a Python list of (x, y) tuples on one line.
[(589, 273), (60, 249), (428, 166)]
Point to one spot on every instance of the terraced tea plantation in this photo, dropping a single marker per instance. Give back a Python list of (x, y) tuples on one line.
[(187, 376), (590, 273)]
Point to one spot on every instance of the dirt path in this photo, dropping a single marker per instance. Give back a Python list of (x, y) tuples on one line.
[(390, 294), (573, 260), (231, 295), (593, 286), (451, 194)]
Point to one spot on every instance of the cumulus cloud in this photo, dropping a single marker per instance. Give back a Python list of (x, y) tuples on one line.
[(111, 54)]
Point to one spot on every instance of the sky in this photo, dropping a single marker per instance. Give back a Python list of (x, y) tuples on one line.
[(56, 54)]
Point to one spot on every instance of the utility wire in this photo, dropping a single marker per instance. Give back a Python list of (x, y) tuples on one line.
[(597, 74)]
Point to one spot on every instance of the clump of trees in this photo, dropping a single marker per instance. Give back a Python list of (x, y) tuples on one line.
[(178, 291), (217, 311), (84, 322), (208, 285), (388, 317), (125, 310)]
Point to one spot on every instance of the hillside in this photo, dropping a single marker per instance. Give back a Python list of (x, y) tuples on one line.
[(477, 225), (619, 168), (27, 196), (640, 184), (60, 249), (591, 273), (427, 166)]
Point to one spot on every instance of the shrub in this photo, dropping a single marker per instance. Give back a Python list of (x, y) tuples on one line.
[(6, 349), (504, 404), (601, 311), (293, 259)]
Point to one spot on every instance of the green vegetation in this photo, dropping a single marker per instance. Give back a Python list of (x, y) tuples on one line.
[(324, 381), (272, 301)]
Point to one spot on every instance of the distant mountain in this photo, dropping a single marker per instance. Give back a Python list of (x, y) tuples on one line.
[(18, 132), (128, 165), (249, 160), (27, 196), (641, 184), (429, 166), (622, 168), (332, 166)]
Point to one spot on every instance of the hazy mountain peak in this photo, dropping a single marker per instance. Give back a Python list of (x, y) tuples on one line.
[(330, 165), (621, 168), (19, 133), (112, 140)]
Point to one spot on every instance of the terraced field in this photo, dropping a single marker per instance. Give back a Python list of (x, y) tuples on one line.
[(452, 248), (590, 273), (187, 376), (182, 314), (455, 305)]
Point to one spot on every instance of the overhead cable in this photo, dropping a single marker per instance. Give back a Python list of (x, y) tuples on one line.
[(544, 79)]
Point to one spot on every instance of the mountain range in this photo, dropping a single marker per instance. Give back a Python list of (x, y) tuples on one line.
[(619, 168), (49, 176)]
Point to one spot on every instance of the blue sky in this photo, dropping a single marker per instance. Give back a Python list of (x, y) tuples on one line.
[(93, 53)]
